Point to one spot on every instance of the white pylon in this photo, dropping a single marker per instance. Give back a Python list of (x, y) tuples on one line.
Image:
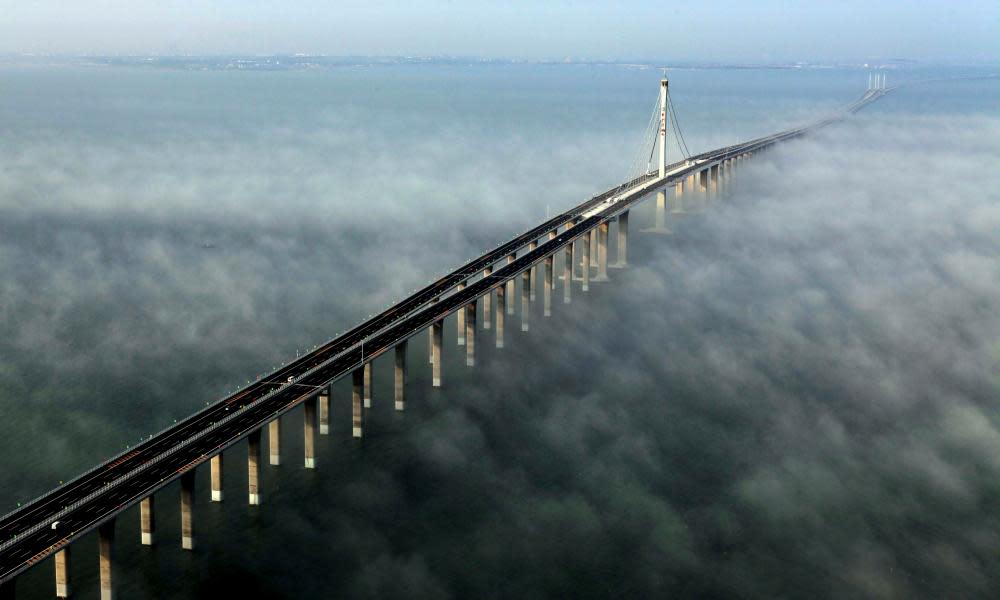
[(663, 126)]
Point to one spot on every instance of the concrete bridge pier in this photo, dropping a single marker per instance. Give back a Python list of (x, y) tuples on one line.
[(525, 299), (461, 320), (531, 289), (187, 510), (553, 234), (602, 251), (309, 431), (593, 247), (578, 256), (547, 286), (253, 467), (324, 409), (677, 207), (659, 215), (568, 249), (400, 375), (438, 328), (703, 187), (368, 384), (501, 312), (622, 257), (274, 441), (357, 399), (586, 262), (147, 520), (487, 301), (470, 333), (62, 561), (568, 273), (216, 466), (430, 340), (106, 555), (510, 288)]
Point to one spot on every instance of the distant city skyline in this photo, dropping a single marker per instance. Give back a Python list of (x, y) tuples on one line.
[(726, 30)]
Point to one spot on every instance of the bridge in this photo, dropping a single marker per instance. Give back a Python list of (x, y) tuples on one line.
[(574, 242)]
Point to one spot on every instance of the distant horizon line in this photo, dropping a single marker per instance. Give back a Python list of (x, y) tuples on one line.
[(301, 59)]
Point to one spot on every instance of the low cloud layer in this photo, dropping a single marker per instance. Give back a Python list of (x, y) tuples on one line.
[(792, 396)]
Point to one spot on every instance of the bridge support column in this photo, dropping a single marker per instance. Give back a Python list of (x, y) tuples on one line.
[(470, 333), (368, 384), (106, 554), (400, 376), (187, 510), (62, 560), (713, 175), (622, 257), (274, 441), (531, 289), (525, 299), (551, 236), (487, 302), (568, 273), (357, 400), (461, 319), (438, 328), (147, 520), (324, 409), (510, 288), (501, 312), (659, 215), (593, 247), (575, 248), (309, 432), (703, 187), (216, 466), (430, 340), (678, 204), (253, 467), (602, 251), (586, 261), (547, 290)]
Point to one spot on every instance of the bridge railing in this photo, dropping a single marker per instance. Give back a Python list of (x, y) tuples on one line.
[(140, 469)]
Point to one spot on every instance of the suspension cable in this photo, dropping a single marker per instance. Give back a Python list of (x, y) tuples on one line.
[(676, 125)]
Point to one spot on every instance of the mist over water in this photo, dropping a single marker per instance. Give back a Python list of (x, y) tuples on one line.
[(793, 395)]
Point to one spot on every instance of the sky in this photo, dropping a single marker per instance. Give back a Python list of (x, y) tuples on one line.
[(686, 30)]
